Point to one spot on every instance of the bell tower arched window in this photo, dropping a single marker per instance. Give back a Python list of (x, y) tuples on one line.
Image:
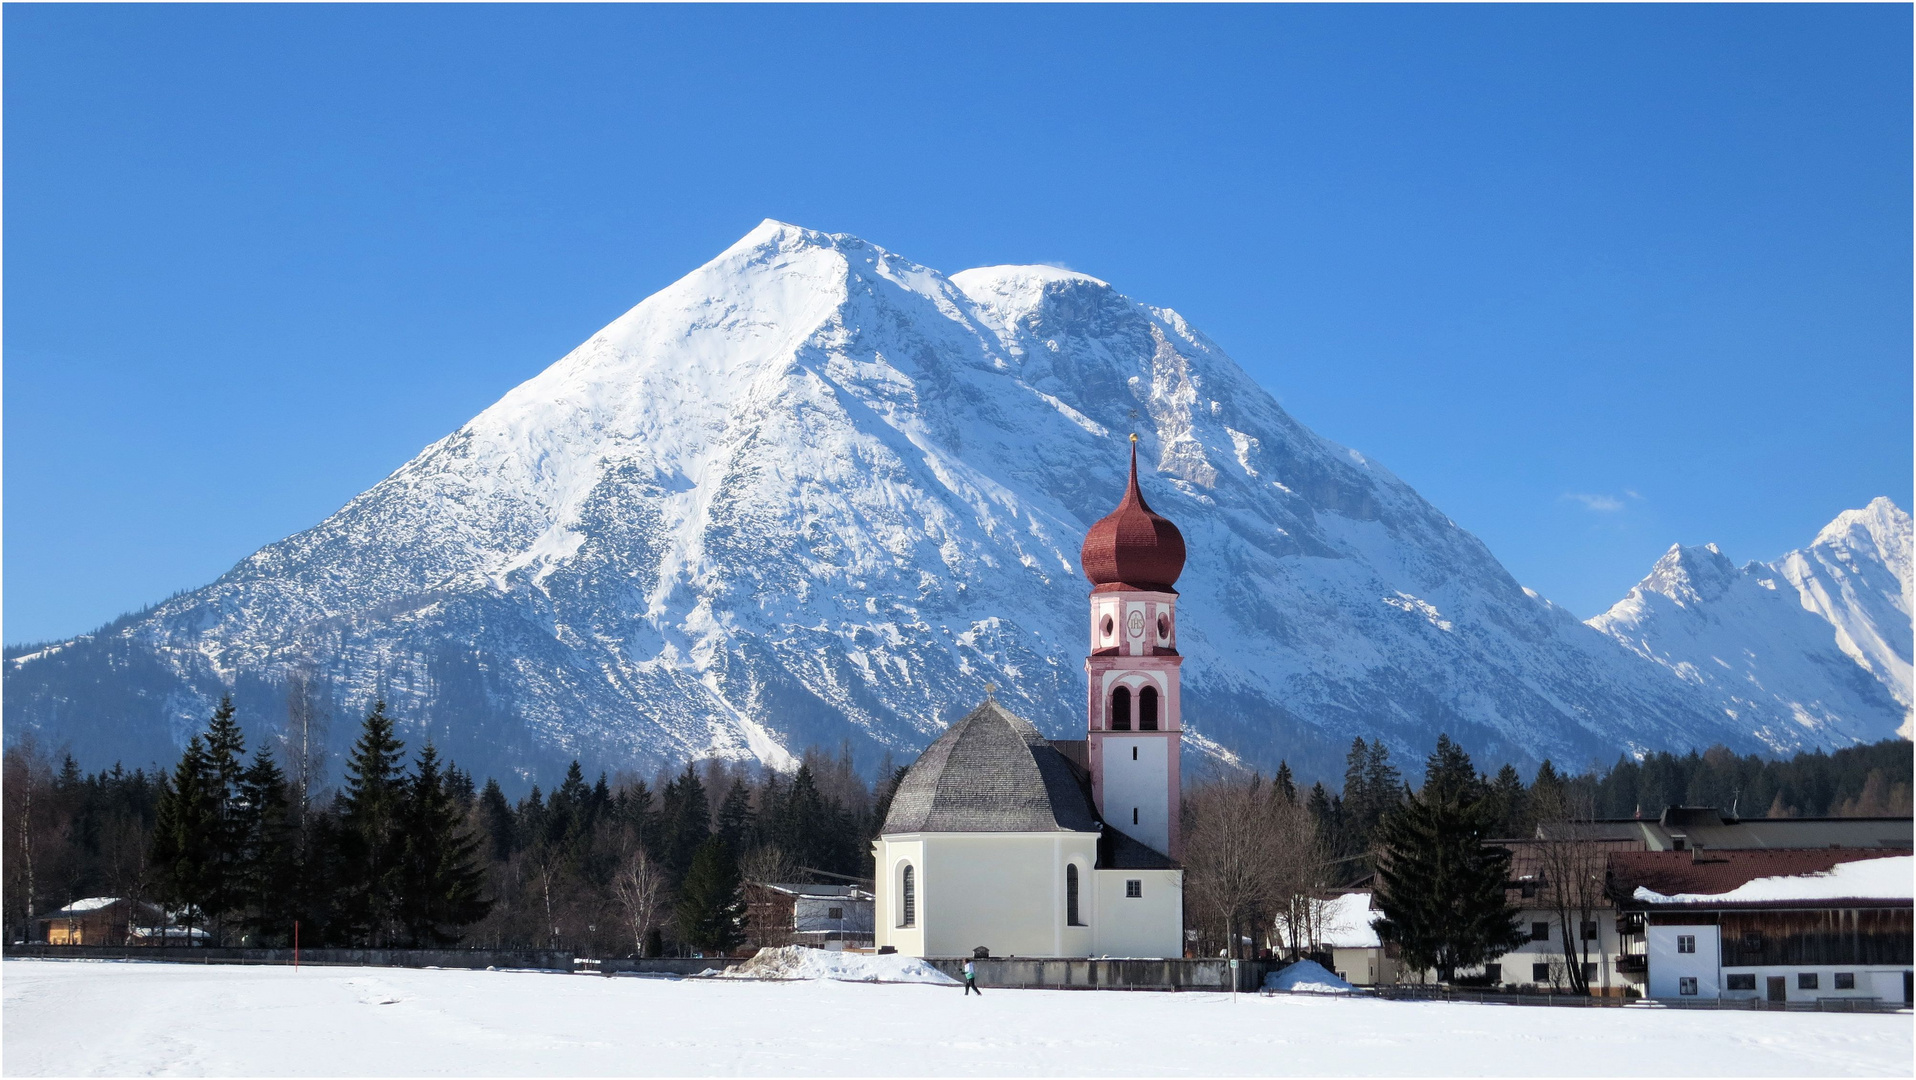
[(1121, 709), (908, 898), (1071, 895), (1148, 709)]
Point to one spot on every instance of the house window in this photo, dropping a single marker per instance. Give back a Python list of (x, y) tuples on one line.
[(1589, 929), (1677, 843), (1121, 709), (1752, 941), (1148, 709), (1589, 971), (1492, 972), (1745, 981), (1806, 980), (1540, 931), (1686, 942), (908, 898), (1686, 987), (836, 913), (1133, 889), (1071, 895), (1540, 973), (1134, 753), (1134, 815), (1846, 980), (1528, 889)]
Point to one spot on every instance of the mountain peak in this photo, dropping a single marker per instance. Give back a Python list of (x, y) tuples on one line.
[(813, 492)]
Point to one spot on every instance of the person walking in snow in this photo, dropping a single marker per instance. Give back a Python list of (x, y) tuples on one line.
[(971, 980)]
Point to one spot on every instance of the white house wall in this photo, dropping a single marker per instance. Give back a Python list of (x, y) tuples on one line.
[(1004, 891), (890, 855), (1668, 966), (1151, 924)]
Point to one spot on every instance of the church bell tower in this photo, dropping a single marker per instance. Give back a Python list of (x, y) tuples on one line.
[(1133, 557)]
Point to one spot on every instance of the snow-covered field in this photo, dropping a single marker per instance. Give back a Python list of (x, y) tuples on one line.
[(80, 1018)]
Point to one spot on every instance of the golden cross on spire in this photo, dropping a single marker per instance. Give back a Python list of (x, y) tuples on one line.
[(1134, 436)]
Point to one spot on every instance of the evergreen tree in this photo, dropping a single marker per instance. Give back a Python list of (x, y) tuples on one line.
[(711, 913), (225, 754), (184, 836), (687, 824), (735, 823), (440, 883), (372, 811), (1440, 886), (268, 851), (495, 815), (1510, 804), (1284, 783)]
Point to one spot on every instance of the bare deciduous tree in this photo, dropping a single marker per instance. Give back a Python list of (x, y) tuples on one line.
[(638, 885), (1571, 860), (1250, 854)]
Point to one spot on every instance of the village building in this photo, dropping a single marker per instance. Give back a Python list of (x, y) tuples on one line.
[(104, 920), (1803, 925), (830, 917), (999, 839)]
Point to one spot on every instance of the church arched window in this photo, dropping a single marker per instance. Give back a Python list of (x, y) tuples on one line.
[(1071, 895), (908, 898), (1121, 709), (1148, 709)]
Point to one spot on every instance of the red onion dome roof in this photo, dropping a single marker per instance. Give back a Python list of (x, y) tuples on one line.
[(1133, 547)]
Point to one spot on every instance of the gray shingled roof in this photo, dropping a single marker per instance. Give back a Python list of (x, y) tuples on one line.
[(991, 772)]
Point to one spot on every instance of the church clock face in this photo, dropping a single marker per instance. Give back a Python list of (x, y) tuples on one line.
[(1137, 624)]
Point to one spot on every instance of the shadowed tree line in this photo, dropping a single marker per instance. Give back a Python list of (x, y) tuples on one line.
[(409, 852), (1261, 856)]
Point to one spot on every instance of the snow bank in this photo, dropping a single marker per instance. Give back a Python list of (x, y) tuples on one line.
[(1869, 879), (1307, 976), (799, 962)]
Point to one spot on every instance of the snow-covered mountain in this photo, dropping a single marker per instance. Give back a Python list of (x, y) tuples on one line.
[(1813, 648), (814, 492)]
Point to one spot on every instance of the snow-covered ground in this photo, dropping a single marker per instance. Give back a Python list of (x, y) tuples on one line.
[(80, 1018)]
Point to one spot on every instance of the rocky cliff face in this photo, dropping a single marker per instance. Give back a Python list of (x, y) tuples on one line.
[(814, 492)]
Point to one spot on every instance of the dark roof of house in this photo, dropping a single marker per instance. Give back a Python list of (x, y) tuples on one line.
[(1712, 872), (1702, 827), (991, 772)]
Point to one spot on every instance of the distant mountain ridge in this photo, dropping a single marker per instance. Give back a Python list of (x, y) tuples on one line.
[(1812, 646), (814, 492)]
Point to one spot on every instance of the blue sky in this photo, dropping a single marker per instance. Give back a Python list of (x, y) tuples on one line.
[(1592, 279)]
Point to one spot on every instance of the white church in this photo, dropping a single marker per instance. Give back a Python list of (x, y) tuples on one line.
[(1002, 839)]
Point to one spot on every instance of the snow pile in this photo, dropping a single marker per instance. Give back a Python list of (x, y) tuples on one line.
[(1869, 879), (1307, 977), (799, 962)]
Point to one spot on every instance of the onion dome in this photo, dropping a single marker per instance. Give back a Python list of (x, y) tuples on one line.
[(1132, 547)]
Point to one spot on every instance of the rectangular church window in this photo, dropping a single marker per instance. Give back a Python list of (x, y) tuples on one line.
[(1133, 889)]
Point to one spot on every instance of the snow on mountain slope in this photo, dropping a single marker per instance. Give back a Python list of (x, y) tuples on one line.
[(1811, 649), (814, 492)]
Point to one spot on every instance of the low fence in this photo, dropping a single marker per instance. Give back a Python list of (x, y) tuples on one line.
[(1041, 973), (525, 959), (1416, 992)]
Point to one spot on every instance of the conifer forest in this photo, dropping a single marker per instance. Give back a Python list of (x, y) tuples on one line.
[(393, 847)]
